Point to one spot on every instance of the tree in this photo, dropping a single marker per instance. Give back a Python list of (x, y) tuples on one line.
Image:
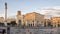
[(13, 23), (8, 23)]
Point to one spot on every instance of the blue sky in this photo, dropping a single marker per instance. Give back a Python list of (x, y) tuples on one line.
[(27, 5)]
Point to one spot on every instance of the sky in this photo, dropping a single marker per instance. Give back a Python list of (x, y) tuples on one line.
[(46, 7)]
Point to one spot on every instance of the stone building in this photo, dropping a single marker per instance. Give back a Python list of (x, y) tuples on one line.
[(33, 19), (55, 21)]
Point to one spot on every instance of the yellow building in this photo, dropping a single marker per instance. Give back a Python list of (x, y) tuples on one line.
[(55, 21), (33, 19)]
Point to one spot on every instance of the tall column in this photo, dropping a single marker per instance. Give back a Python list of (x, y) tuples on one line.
[(5, 12), (56, 24), (22, 18), (53, 25), (25, 22), (5, 20), (46, 23), (34, 22)]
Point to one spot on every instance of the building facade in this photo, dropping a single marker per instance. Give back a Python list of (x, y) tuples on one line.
[(55, 21), (33, 19)]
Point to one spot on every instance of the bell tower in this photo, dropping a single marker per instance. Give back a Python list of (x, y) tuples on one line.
[(18, 18)]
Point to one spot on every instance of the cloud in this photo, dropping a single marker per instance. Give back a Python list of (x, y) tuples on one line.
[(50, 11), (47, 11)]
